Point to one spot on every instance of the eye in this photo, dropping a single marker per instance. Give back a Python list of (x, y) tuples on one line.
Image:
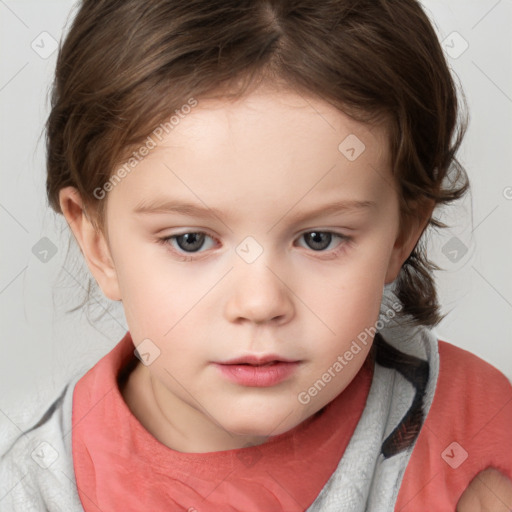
[(321, 240), (190, 242)]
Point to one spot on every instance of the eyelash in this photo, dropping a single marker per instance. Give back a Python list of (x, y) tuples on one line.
[(333, 253)]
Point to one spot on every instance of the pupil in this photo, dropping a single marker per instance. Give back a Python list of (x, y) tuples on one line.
[(316, 239), (193, 241)]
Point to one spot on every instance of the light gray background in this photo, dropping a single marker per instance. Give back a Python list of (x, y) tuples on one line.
[(42, 345)]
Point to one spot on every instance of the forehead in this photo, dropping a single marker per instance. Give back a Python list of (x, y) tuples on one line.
[(268, 145), (272, 118)]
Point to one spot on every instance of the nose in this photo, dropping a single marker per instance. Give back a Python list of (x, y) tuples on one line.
[(258, 294)]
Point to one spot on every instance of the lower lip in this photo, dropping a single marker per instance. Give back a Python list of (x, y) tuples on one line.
[(258, 376)]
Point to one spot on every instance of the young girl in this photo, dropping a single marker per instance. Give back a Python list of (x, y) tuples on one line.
[(252, 180)]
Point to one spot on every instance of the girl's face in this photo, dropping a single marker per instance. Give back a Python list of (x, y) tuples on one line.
[(259, 227)]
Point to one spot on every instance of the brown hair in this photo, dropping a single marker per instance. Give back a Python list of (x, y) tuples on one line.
[(126, 65)]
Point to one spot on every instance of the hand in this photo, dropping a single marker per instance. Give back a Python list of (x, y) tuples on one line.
[(489, 491)]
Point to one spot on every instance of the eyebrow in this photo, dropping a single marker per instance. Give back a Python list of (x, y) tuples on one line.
[(204, 212)]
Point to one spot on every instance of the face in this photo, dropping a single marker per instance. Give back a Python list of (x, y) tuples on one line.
[(254, 228)]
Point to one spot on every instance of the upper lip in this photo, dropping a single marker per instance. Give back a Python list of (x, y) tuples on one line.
[(259, 360)]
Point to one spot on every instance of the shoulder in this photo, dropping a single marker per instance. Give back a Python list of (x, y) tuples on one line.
[(473, 407), (470, 370), (476, 395), (36, 467), (467, 430)]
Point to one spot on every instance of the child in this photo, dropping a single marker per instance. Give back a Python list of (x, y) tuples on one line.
[(284, 361)]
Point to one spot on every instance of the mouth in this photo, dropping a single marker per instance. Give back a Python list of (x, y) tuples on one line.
[(258, 372)]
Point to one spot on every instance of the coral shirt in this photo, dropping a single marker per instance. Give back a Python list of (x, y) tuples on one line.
[(468, 428), (119, 465)]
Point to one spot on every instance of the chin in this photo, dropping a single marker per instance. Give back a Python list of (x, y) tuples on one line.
[(262, 427)]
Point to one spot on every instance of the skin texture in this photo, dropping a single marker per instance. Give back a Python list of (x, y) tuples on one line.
[(261, 161)]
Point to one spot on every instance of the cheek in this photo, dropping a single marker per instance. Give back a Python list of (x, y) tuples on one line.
[(350, 313), (346, 299), (152, 300), (353, 289), (164, 300)]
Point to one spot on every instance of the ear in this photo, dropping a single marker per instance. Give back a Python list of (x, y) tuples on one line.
[(92, 242), (412, 229)]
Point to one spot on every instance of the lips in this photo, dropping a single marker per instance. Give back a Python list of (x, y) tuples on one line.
[(254, 360), (258, 371)]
